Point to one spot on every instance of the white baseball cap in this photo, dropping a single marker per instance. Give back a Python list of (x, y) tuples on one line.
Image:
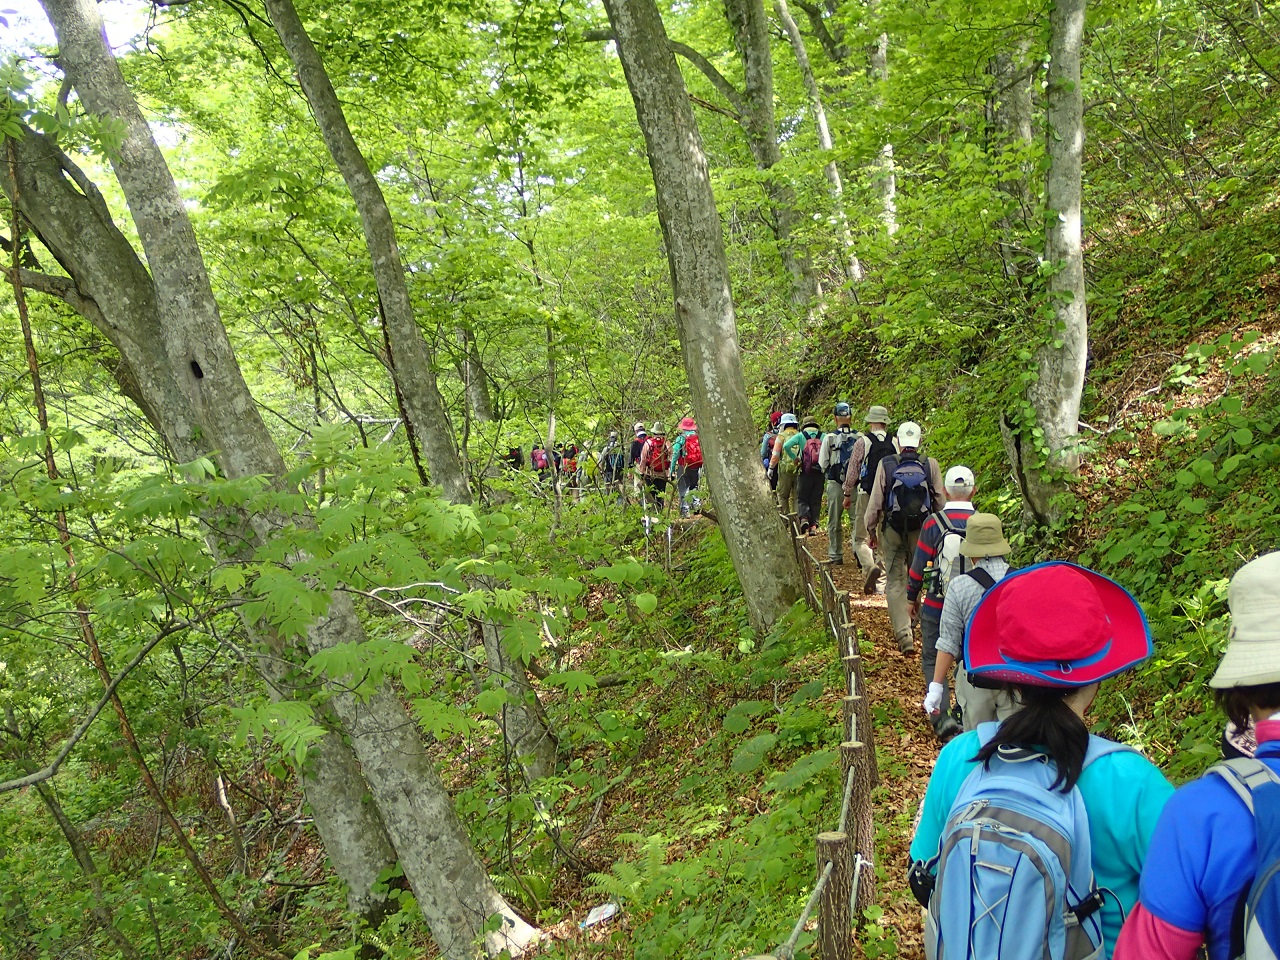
[(909, 434), (958, 476)]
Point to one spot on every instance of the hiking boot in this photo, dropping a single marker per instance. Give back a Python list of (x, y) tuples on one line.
[(946, 728), (872, 583), (835, 561), (906, 645)]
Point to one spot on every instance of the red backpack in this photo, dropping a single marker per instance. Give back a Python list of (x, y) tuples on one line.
[(692, 455), (539, 459), (655, 457), (809, 458)]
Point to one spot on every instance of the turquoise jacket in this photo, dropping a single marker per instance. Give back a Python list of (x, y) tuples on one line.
[(792, 449), (1123, 793)]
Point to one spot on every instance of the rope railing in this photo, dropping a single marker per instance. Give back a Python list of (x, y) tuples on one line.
[(845, 887)]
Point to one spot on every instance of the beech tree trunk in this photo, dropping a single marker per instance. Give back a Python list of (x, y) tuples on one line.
[(448, 879), (886, 178), (849, 264), (412, 361), (1061, 359), (475, 381), (1010, 117), (750, 27), (111, 289), (761, 552)]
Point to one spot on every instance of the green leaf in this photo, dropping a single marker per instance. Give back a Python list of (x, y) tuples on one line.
[(573, 681), (802, 771), (1242, 436), (646, 602), (492, 700), (751, 754)]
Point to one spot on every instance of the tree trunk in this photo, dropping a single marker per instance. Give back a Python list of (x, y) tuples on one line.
[(450, 882), (750, 26), (1009, 111), (411, 363), (849, 264), (475, 381), (761, 552), (1061, 360), (111, 289), (886, 178)]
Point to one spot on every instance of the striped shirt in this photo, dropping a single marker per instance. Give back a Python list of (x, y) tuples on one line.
[(963, 595), (958, 513)]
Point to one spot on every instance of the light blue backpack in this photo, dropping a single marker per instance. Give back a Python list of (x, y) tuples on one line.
[(1014, 867)]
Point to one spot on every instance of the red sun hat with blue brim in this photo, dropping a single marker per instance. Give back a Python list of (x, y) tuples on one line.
[(1055, 624)]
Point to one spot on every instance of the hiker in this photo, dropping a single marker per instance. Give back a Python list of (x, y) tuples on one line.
[(906, 489), (633, 456), (514, 458), (686, 460), (871, 448), (1034, 813), (782, 471), (655, 457), (837, 451), (984, 544), (936, 563), (805, 448), (540, 462), (766, 447), (1217, 834), (610, 462)]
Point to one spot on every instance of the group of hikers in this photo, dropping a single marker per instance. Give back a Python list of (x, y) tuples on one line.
[(1037, 839), (652, 459)]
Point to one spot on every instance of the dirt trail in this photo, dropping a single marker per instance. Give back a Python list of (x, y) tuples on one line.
[(905, 744)]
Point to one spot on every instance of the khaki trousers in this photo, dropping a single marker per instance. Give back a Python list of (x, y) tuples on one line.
[(978, 705), (835, 521), (896, 551), (786, 490), (861, 549)]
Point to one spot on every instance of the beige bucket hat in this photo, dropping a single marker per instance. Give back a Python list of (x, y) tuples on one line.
[(1253, 644), (878, 414), (984, 537)]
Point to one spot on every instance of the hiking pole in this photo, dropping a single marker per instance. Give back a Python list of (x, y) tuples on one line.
[(668, 548)]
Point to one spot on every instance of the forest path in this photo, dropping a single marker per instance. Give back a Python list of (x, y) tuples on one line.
[(906, 747)]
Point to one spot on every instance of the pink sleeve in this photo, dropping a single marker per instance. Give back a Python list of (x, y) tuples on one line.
[(1146, 937)]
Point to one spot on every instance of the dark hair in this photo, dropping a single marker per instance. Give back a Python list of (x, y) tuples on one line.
[(1044, 723), (1238, 702)]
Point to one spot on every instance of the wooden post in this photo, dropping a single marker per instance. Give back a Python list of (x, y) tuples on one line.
[(851, 707), (835, 926), (853, 756), (856, 686)]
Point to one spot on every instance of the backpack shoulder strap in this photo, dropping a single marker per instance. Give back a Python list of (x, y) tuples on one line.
[(983, 577), (1244, 775), (1100, 747), (941, 519)]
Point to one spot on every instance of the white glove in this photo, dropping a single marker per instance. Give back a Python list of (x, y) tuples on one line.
[(933, 701)]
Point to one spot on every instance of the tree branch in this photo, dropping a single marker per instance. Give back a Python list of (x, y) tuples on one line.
[(705, 67)]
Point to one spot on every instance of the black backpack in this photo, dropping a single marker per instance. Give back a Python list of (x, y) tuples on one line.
[(908, 500), (878, 450), (842, 443)]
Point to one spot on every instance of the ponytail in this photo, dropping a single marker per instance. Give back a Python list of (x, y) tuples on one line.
[(1045, 723)]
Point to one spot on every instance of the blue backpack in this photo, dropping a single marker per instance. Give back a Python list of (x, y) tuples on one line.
[(1259, 787), (1014, 867), (907, 498)]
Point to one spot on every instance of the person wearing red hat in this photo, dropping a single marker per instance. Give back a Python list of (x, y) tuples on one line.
[(686, 464), (1051, 633)]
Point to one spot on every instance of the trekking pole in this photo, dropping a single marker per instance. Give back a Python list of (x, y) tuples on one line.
[(668, 548)]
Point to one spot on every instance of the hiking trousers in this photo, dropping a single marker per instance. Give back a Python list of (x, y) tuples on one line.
[(896, 550), (835, 521), (929, 629), (655, 487), (786, 490), (809, 499), (685, 485), (861, 549), (979, 705)]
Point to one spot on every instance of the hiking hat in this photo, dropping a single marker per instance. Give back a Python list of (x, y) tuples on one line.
[(1253, 644), (788, 420), (1055, 624), (658, 428), (638, 428), (958, 476), (688, 424), (909, 434), (984, 537), (878, 414), (843, 409), (811, 422), (613, 434), (774, 418)]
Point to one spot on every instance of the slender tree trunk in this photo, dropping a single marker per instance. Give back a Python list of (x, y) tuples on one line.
[(1061, 360), (411, 366), (750, 25), (1009, 110), (475, 381), (450, 882), (100, 909), (761, 552), (849, 264), (886, 178), (411, 358)]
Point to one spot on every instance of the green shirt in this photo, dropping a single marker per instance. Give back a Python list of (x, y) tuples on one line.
[(1123, 793)]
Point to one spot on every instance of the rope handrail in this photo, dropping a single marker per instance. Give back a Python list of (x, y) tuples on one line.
[(788, 950)]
